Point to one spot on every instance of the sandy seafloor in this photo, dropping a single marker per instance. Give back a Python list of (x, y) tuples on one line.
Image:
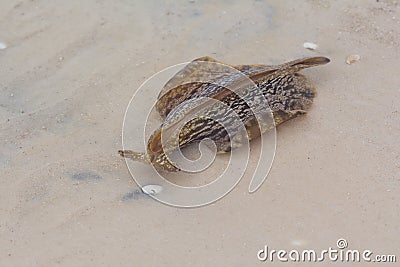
[(69, 71)]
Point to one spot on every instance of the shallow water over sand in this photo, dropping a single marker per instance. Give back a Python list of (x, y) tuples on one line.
[(69, 69)]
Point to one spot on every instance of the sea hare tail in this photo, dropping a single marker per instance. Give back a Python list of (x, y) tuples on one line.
[(136, 156)]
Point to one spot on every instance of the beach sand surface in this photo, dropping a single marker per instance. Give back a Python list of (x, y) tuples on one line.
[(68, 70)]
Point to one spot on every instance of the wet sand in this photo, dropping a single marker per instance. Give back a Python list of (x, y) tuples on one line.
[(66, 77)]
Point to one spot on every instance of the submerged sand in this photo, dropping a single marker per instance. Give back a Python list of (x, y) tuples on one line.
[(68, 70)]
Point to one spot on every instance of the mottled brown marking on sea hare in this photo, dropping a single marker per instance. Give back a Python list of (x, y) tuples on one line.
[(288, 93)]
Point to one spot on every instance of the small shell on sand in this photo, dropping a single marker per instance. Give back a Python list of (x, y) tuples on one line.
[(310, 46), (352, 58), (3, 45), (151, 189)]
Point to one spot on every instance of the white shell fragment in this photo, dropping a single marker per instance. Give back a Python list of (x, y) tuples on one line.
[(3, 45), (352, 58), (310, 46), (298, 242), (151, 189)]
